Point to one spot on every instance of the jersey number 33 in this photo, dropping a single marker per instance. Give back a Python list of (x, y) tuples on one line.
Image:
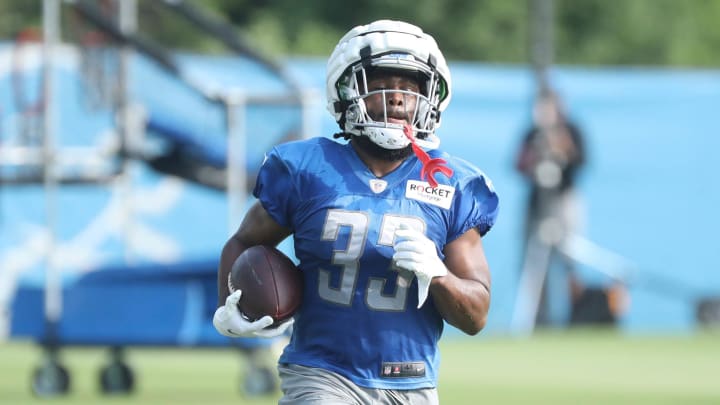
[(348, 260)]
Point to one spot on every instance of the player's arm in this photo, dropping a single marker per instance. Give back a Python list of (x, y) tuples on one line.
[(460, 284), (463, 295), (257, 228)]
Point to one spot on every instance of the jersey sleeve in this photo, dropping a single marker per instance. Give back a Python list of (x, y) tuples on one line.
[(476, 206), (275, 188)]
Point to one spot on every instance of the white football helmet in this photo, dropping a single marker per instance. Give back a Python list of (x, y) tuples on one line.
[(395, 45)]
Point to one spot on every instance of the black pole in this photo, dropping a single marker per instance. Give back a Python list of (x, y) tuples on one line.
[(541, 49), (228, 36), (89, 11)]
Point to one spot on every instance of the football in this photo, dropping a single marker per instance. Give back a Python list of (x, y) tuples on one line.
[(270, 282)]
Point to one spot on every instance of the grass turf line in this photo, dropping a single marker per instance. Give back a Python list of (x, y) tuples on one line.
[(562, 367)]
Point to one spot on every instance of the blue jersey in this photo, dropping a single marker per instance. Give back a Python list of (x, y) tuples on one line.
[(359, 315)]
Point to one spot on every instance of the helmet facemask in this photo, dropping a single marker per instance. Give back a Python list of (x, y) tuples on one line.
[(400, 47), (383, 130)]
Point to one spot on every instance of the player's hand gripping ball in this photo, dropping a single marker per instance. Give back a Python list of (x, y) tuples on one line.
[(270, 282)]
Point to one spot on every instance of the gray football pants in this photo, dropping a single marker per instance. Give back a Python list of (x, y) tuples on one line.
[(310, 385)]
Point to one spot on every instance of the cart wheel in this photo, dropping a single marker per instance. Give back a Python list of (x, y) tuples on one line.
[(117, 378), (50, 379), (259, 381)]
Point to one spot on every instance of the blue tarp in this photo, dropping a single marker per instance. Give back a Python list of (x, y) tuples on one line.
[(649, 188), (157, 286)]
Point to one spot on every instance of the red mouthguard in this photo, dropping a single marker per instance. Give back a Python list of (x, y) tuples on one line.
[(430, 166)]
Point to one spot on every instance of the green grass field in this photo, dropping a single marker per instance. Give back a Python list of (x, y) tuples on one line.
[(569, 367)]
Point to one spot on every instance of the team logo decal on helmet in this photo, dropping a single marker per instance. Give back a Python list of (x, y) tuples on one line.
[(395, 45)]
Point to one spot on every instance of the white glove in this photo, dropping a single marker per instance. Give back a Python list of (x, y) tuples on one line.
[(230, 322), (415, 252)]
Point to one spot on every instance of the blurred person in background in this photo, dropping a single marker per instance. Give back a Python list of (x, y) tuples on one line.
[(550, 158), (388, 253)]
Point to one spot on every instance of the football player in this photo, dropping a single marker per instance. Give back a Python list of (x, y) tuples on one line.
[(387, 229)]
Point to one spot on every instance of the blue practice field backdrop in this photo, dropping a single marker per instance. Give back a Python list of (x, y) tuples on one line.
[(649, 190)]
